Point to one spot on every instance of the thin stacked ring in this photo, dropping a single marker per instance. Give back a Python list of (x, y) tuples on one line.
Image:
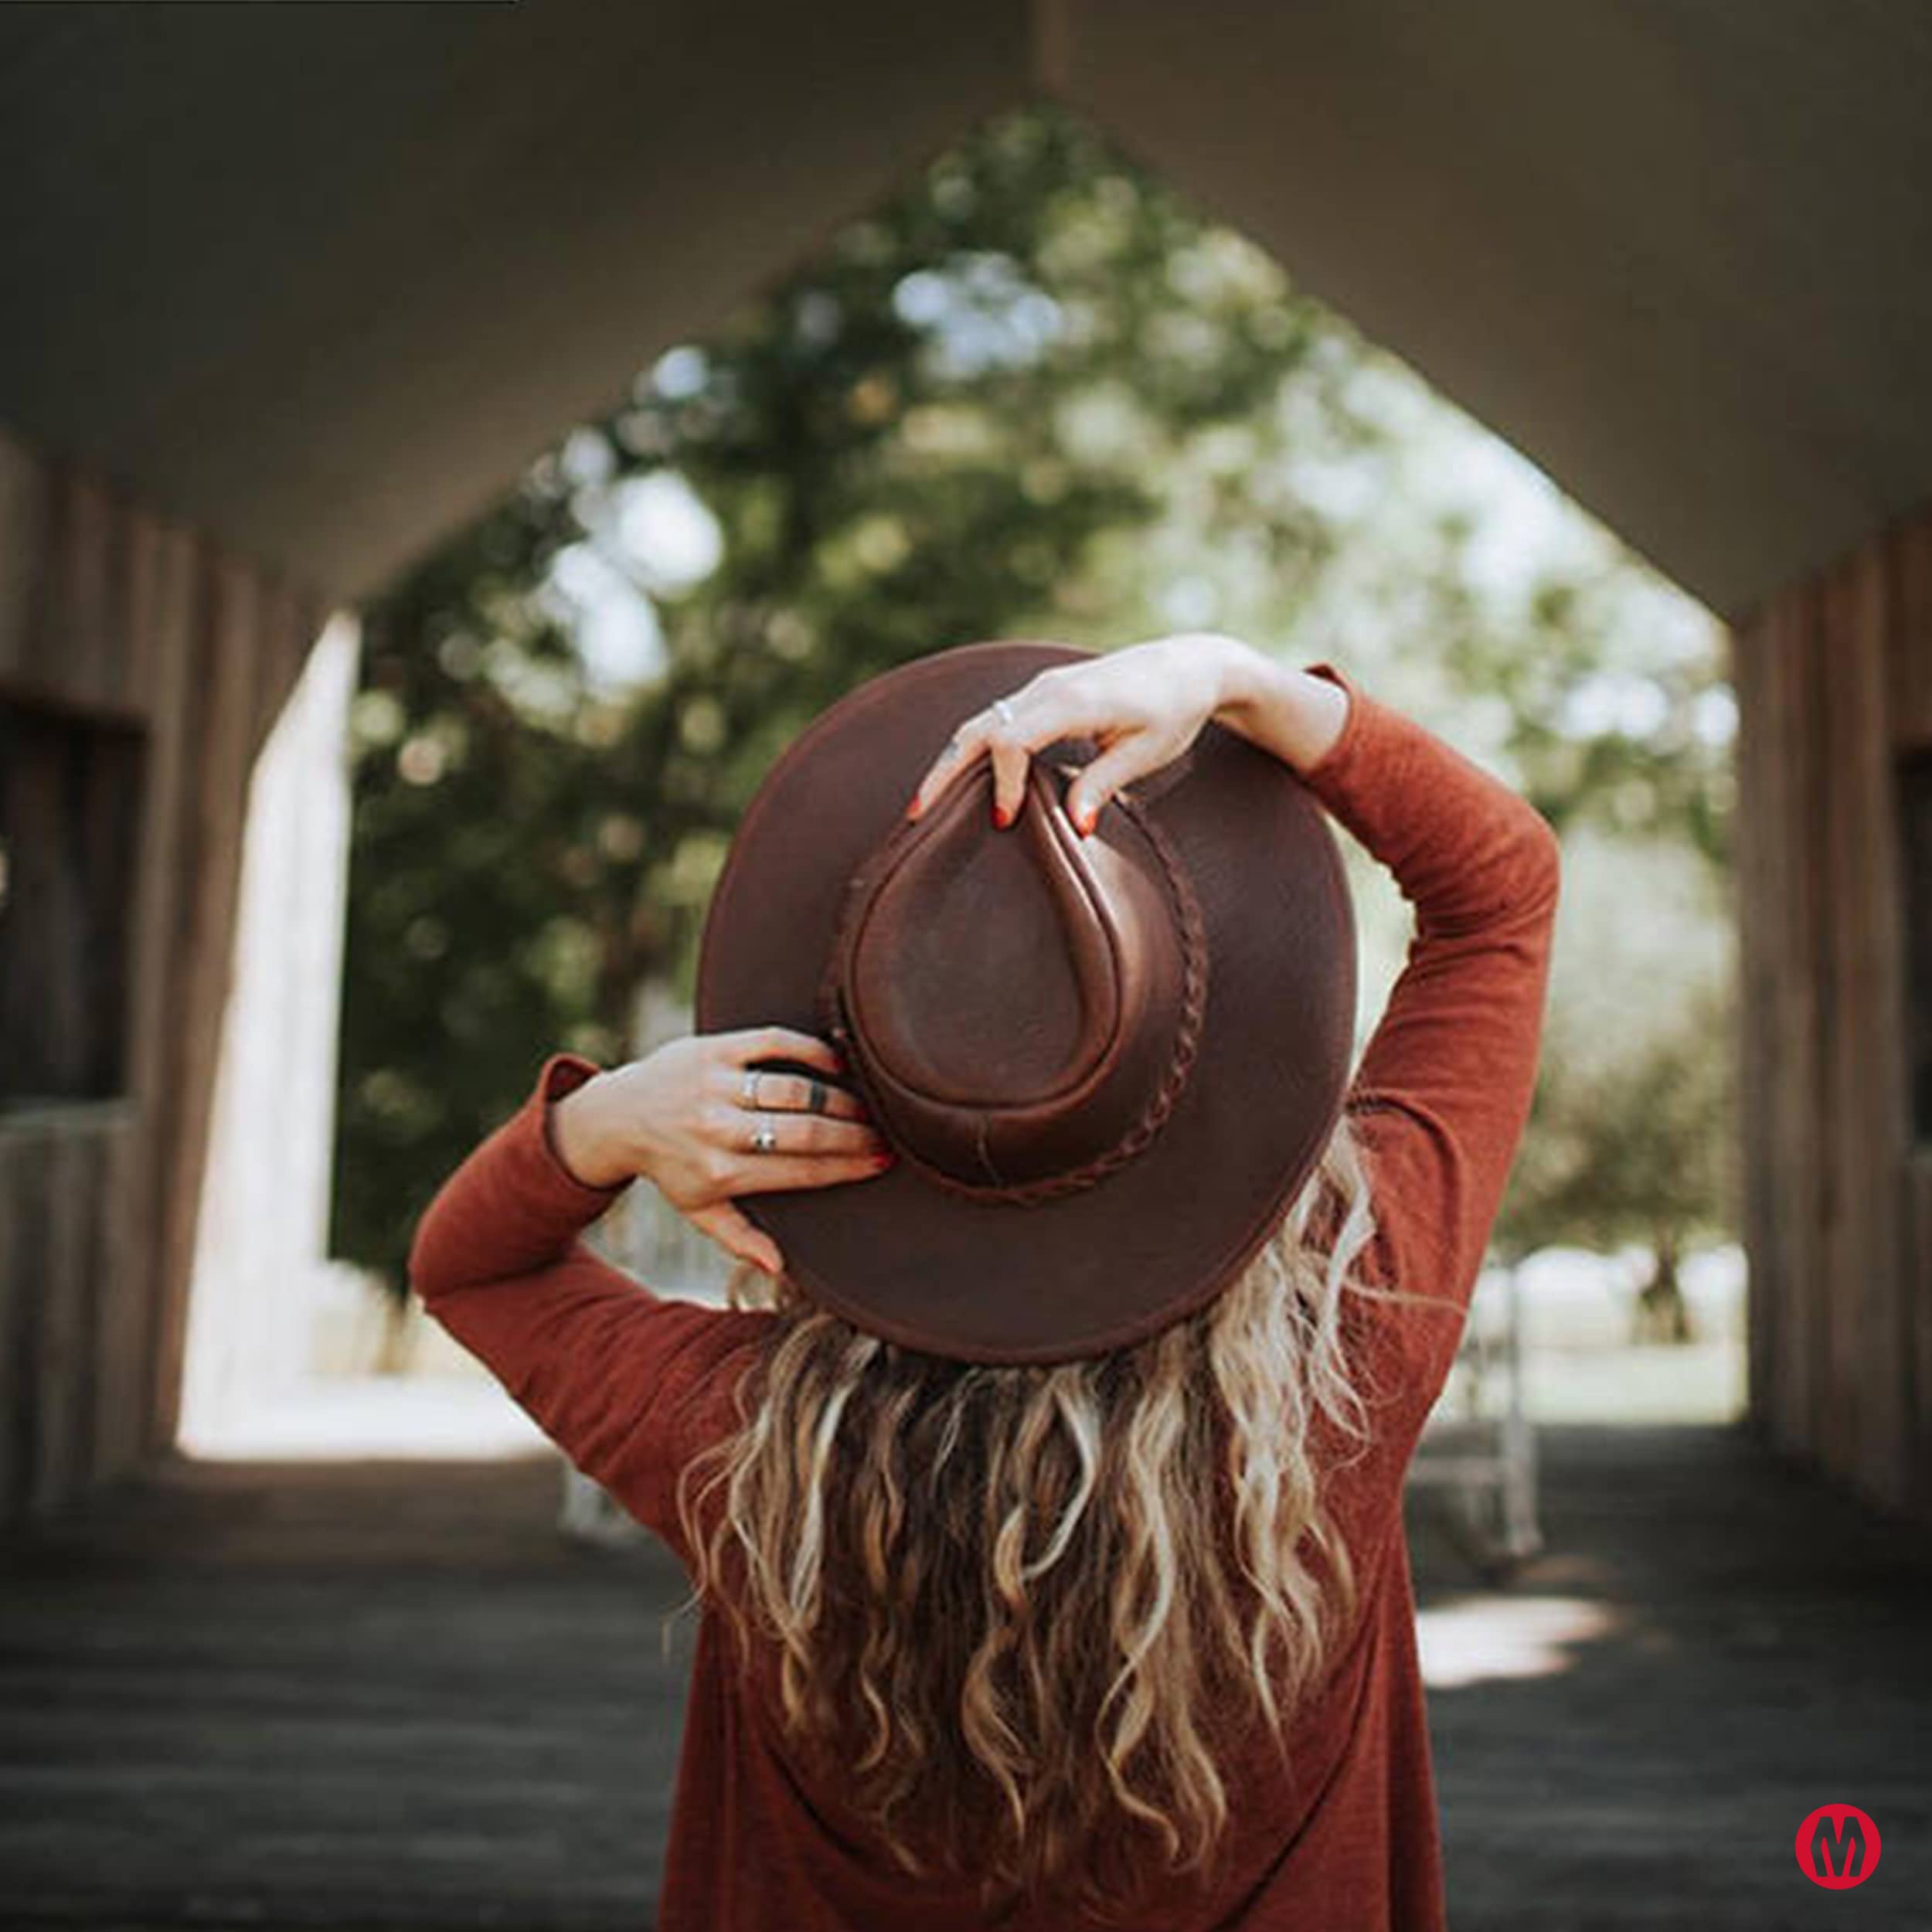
[(765, 1137)]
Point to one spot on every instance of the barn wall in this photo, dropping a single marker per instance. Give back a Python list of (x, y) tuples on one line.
[(112, 615), (1834, 678)]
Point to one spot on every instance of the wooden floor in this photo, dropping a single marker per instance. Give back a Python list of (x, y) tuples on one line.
[(392, 1698)]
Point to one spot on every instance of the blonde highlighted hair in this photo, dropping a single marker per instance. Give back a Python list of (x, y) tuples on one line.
[(1019, 1613)]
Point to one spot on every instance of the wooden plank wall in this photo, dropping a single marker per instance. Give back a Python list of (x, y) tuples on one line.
[(108, 610), (1834, 681)]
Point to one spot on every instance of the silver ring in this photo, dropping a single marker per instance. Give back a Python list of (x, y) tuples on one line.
[(1003, 710), (748, 1086), (765, 1139)]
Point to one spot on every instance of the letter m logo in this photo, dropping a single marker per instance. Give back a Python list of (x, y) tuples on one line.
[(1838, 1847)]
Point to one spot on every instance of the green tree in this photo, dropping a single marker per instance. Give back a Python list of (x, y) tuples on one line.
[(1033, 392), (1632, 1134), (921, 436)]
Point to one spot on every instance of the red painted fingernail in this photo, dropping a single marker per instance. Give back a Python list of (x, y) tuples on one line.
[(1001, 816), (912, 808)]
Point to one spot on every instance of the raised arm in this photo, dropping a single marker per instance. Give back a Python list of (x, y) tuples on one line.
[(611, 1372), (1442, 1093), (626, 1383)]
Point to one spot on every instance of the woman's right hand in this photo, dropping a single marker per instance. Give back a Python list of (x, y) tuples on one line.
[(1144, 706)]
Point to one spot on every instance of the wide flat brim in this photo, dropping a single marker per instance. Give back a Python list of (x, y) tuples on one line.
[(923, 1266)]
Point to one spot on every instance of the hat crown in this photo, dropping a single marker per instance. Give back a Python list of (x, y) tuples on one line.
[(1021, 1006)]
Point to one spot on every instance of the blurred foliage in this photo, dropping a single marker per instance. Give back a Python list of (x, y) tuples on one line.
[(1632, 1138), (1034, 392)]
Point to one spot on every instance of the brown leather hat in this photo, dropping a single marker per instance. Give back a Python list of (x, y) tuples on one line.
[(1107, 1064)]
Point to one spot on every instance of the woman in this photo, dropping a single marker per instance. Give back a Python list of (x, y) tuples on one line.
[(1037, 1595)]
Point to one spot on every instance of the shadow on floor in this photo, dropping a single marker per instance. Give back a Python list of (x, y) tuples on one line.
[(391, 1695), (1748, 1645)]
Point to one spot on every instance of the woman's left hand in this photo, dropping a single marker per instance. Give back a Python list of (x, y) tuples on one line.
[(685, 1118)]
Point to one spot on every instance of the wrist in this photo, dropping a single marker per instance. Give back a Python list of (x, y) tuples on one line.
[(580, 1137), (1242, 674), (1296, 717)]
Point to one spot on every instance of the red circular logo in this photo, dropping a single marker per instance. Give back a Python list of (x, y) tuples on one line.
[(1838, 1847)]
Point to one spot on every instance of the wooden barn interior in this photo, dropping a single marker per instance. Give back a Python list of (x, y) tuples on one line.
[(293, 291)]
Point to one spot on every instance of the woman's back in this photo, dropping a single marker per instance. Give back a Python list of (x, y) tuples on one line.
[(1312, 1835), (637, 1390), (753, 1844)]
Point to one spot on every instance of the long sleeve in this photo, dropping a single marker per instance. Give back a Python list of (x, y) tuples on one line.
[(1443, 1091), (619, 1378)]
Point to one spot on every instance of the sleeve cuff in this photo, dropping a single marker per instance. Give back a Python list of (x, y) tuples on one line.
[(562, 1073)]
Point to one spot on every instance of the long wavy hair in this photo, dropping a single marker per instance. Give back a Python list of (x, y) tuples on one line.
[(1019, 1612)]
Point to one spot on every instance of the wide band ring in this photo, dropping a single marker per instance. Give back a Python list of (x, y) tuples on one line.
[(748, 1086)]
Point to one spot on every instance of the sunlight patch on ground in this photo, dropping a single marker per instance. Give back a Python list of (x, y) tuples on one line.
[(1485, 1637), (327, 1418)]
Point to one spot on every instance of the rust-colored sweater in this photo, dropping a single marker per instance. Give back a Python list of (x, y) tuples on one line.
[(629, 1384)]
